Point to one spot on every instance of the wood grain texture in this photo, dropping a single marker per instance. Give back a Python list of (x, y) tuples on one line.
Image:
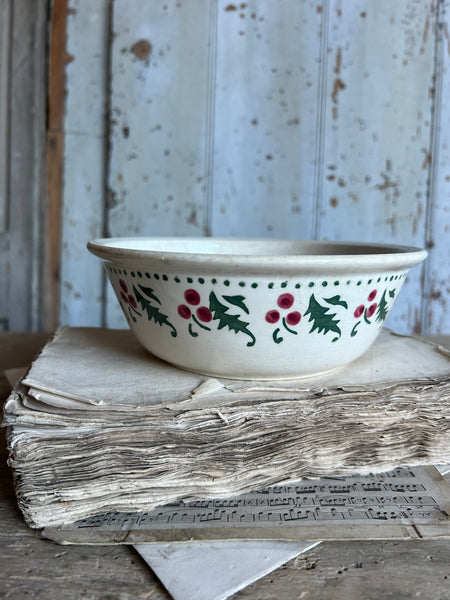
[(84, 167), (55, 153), (158, 172), (266, 112), (377, 131), (158, 118), (26, 154), (369, 570), (288, 119), (436, 313), (5, 44)]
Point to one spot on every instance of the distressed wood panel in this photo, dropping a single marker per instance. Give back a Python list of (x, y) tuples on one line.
[(266, 116), (82, 284), (26, 153), (54, 156), (160, 114), (159, 106), (5, 41), (286, 119), (436, 309), (377, 131)]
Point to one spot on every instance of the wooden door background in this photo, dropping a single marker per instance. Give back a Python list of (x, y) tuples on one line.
[(324, 119)]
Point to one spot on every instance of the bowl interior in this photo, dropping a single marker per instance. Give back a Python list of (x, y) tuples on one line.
[(249, 247)]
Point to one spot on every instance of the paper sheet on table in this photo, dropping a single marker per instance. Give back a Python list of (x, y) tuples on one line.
[(216, 570), (404, 503)]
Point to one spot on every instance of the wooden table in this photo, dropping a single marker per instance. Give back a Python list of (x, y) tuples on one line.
[(32, 567)]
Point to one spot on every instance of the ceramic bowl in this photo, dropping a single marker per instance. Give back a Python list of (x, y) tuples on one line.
[(255, 309)]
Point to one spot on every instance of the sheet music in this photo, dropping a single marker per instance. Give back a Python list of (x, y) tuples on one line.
[(398, 499)]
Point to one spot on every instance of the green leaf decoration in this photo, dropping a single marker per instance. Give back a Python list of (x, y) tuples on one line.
[(237, 301), (277, 338), (153, 312), (191, 331), (336, 301), (220, 313), (149, 292), (382, 309), (321, 319), (197, 322), (288, 328), (354, 330), (391, 293)]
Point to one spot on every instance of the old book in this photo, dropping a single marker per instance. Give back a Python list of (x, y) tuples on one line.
[(100, 425)]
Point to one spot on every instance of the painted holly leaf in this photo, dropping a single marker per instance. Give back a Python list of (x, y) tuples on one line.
[(237, 301), (153, 312), (336, 301), (382, 309), (391, 293), (149, 292), (321, 319), (220, 313)]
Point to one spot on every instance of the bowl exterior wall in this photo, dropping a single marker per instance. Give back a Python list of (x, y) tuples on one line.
[(253, 326)]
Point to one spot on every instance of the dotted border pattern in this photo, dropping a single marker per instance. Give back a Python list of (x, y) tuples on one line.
[(226, 282)]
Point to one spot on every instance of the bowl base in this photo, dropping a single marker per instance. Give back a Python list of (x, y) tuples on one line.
[(285, 376)]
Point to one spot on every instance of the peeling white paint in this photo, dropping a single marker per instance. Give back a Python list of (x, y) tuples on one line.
[(288, 119)]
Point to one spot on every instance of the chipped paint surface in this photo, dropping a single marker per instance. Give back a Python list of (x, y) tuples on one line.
[(436, 306), (378, 124), (266, 113), (299, 120), (84, 159)]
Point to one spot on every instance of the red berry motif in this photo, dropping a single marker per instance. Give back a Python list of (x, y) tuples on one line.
[(285, 300), (372, 295), (359, 311), (293, 318), (184, 311), (272, 316), (129, 301), (198, 318), (372, 308), (192, 297), (126, 297), (204, 314)]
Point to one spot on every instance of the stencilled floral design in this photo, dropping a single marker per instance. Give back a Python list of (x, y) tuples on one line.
[(146, 297), (200, 315), (284, 302), (208, 309), (322, 319), (367, 312), (217, 311), (129, 303)]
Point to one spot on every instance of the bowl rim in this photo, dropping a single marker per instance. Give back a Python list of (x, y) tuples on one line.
[(382, 256)]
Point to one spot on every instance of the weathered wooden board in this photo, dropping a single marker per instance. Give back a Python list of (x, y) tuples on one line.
[(84, 160), (26, 161), (5, 32), (161, 57), (377, 131), (288, 119), (436, 309), (265, 135)]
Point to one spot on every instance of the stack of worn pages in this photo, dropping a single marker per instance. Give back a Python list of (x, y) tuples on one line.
[(98, 425)]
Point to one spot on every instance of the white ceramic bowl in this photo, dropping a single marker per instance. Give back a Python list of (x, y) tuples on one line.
[(255, 309)]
